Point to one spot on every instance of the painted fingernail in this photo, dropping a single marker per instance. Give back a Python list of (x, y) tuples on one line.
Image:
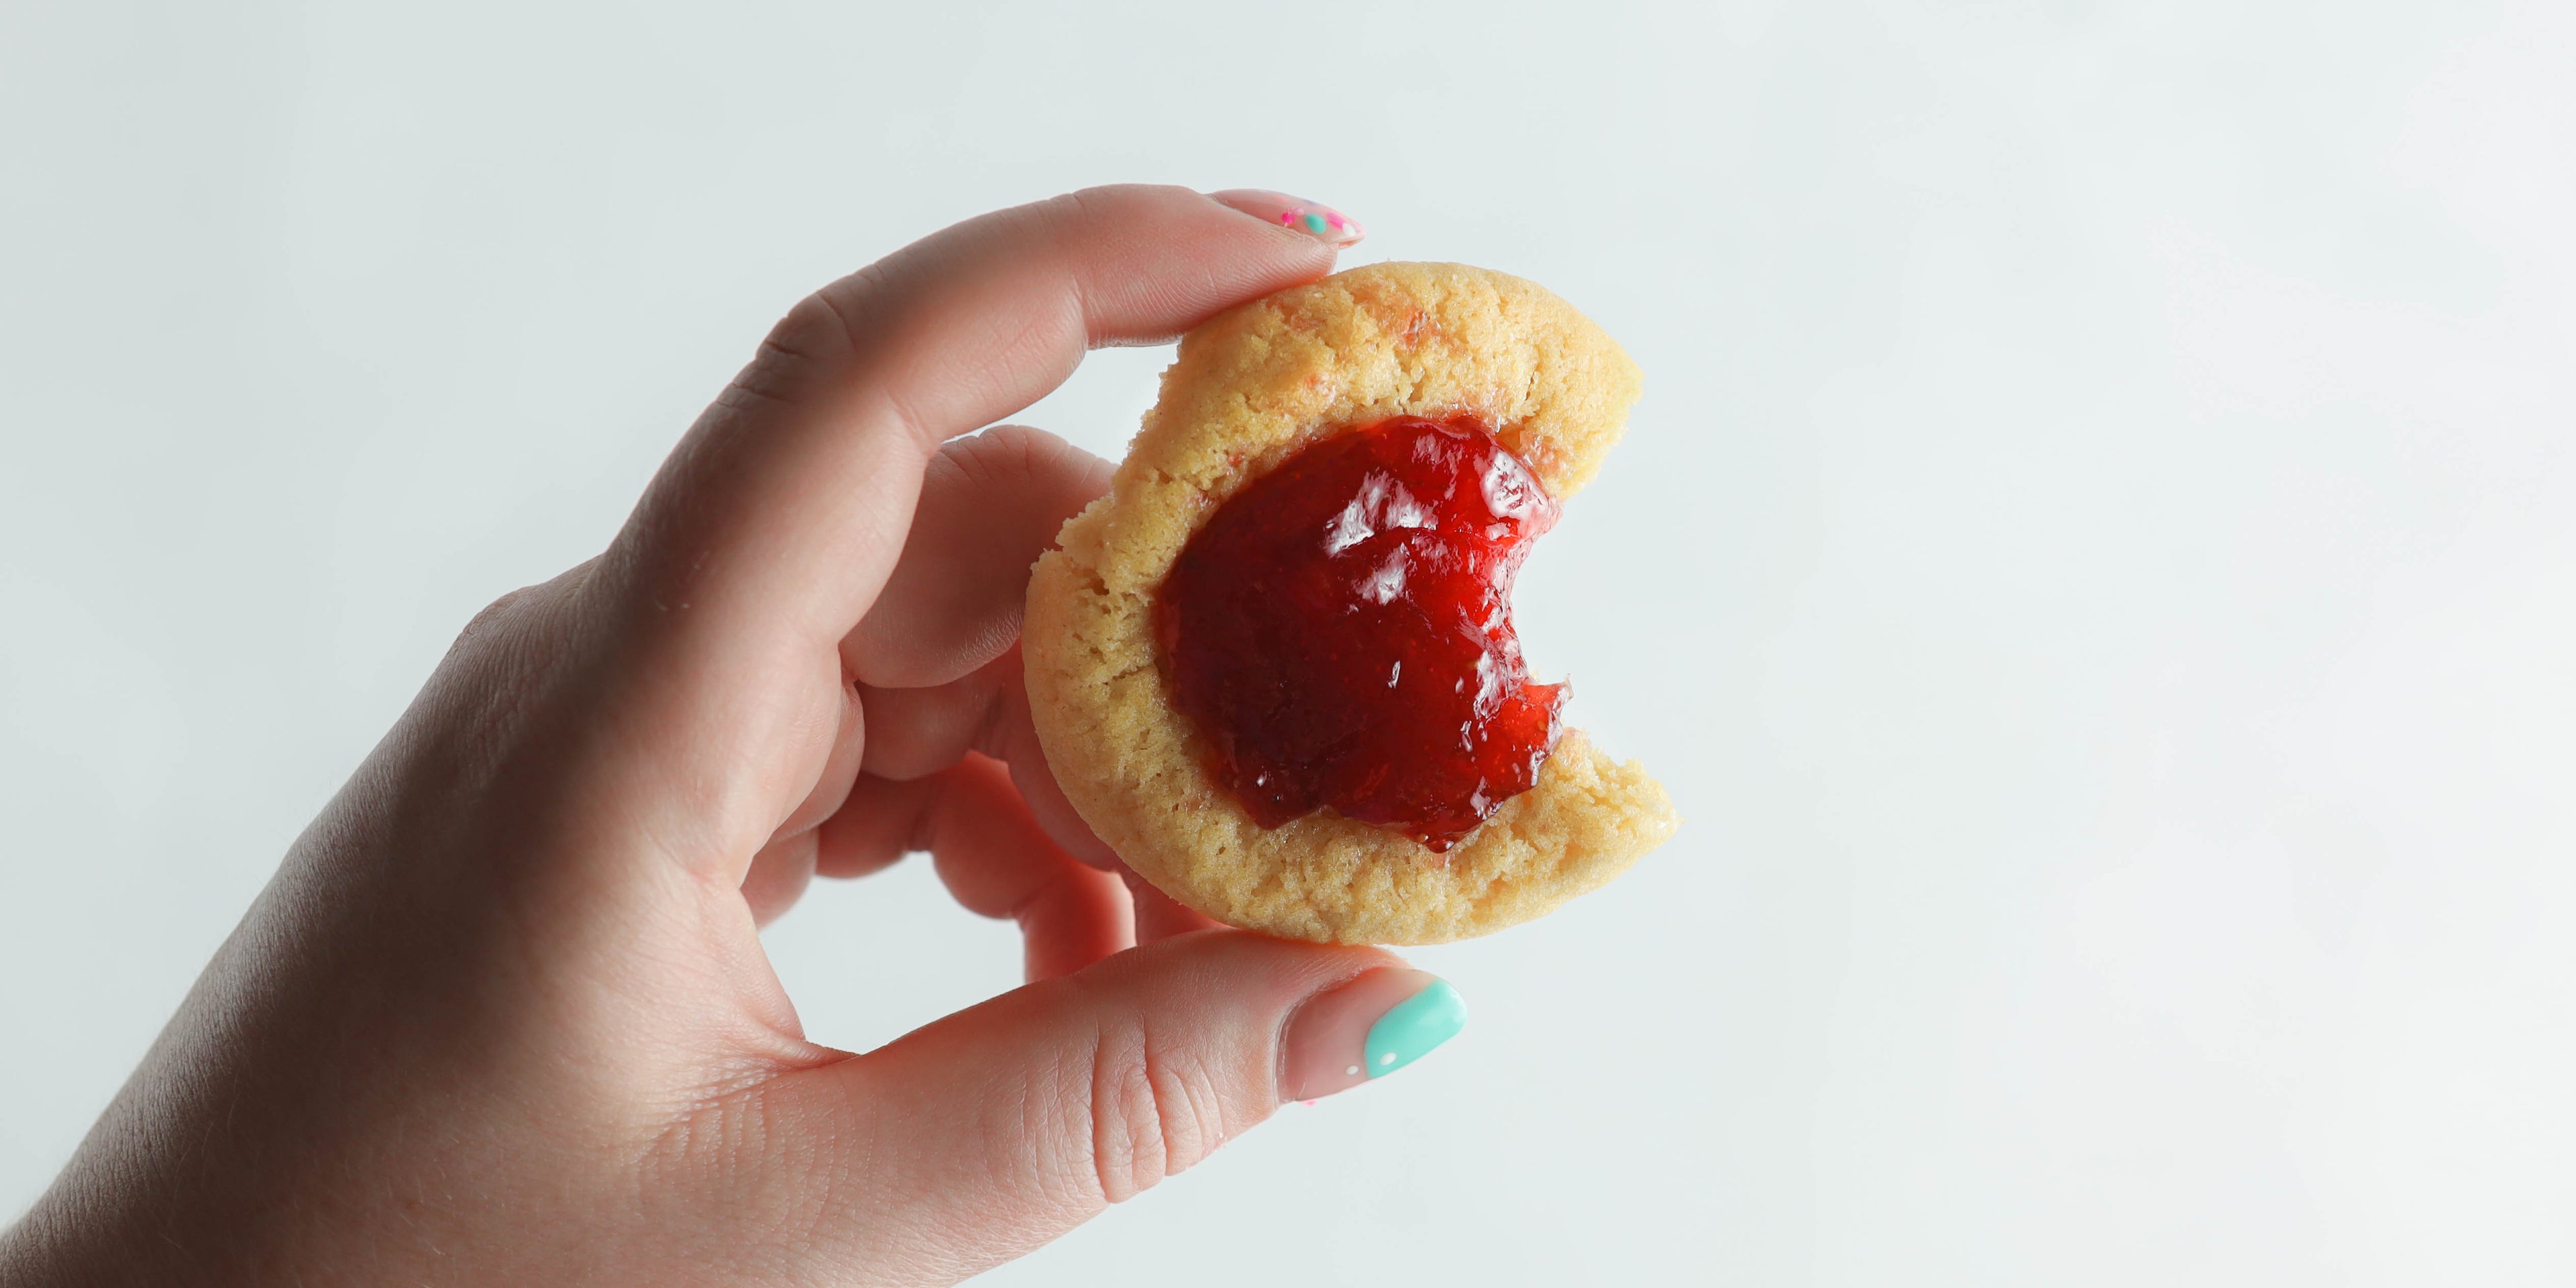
[(1312, 218), (1368, 1028)]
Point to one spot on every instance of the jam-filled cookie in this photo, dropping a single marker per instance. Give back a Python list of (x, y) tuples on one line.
[(1274, 668)]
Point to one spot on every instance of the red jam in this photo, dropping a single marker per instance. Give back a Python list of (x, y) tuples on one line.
[(1341, 631)]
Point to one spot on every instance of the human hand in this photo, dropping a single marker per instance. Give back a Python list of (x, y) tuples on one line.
[(503, 1015)]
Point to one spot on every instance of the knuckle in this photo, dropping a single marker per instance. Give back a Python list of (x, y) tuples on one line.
[(1004, 453), (816, 330), (496, 618), (527, 609), (1151, 1114), (513, 641), (1117, 200), (806, 346)]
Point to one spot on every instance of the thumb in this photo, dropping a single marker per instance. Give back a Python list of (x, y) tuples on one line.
[(977, 1138)]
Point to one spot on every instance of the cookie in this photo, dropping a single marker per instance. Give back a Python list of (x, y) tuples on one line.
[(1251, 392)]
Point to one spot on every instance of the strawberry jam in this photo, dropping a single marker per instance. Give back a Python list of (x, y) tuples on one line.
[(1340, 632)]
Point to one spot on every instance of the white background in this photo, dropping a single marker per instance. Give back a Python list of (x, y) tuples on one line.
[(2096, 563)]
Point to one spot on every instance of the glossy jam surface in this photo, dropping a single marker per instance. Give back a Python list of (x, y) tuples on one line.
[(1340, 631)]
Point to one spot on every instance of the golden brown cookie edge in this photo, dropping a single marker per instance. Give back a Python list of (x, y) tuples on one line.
[(1249, 388)]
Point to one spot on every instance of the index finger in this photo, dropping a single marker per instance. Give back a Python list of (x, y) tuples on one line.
[(786, 506)]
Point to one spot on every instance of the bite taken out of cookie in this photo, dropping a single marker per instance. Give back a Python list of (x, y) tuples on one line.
[(1274, 667)]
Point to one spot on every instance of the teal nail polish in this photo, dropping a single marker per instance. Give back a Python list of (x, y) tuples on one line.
[(1315, 224), (1407, 1032)]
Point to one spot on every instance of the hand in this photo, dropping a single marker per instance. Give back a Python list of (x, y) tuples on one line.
[(503, 1015)]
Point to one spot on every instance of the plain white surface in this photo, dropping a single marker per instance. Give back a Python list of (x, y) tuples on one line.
[(2096, 564)]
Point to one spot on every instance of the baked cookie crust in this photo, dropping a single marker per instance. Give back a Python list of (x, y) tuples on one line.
[(1249, 389)]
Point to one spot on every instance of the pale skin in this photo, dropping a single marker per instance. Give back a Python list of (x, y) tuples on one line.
[(503, 1015)]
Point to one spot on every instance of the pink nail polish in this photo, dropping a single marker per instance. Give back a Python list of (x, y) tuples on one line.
[(1313, 218)]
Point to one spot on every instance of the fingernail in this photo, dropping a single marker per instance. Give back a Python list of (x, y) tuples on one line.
[(1368, 1028), (1313, 218)]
